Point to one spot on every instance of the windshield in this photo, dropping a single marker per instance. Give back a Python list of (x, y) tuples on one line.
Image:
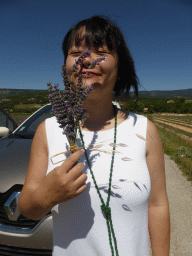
[(30, 126)]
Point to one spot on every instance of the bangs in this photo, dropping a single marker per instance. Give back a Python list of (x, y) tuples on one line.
[(92, 35), (89, 37)]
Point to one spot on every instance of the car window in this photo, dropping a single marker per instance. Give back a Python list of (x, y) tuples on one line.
[(10, 126), (2, 119), (30, 126), (33, 127), (5, 121)]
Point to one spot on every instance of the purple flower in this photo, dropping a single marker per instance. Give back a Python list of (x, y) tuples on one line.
[(68, 108), (96, 62)]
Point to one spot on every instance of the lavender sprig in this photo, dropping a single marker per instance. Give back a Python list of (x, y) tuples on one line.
[(68, 112), (69, 108), (96, 62), (80, 60)]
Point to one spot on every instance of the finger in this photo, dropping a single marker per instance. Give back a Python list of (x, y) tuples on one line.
[(76, 171), (81, 189), (71, 160), (80, 181)]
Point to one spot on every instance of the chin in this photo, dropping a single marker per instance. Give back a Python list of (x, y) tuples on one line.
[(96, 84)]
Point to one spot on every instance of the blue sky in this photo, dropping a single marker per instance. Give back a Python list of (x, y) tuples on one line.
[(158, 33)]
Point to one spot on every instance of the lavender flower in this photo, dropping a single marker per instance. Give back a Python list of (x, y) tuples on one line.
[(68, 108), (82, 57), (96, 62), (80, 60)]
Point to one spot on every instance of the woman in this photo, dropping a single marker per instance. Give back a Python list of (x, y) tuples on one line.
[(131, 184)]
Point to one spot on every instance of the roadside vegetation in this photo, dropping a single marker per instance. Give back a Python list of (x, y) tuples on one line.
[(176, 143), (159, 105), (21, 106), (29, 102), (24, 103)]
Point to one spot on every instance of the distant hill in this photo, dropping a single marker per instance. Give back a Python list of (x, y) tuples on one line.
[(4, 93), (187, 93)]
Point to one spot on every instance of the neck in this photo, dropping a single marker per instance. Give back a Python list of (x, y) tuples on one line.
[(100, 115)]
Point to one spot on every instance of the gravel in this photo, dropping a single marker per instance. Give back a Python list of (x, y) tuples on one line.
[(179, 192)]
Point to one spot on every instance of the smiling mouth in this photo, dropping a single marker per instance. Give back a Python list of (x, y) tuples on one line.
[(89, 74)]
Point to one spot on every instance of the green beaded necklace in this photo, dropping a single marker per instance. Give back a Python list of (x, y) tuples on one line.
[(105, 207)]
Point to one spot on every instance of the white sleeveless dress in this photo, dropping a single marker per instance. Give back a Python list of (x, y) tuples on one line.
[(79, 227)]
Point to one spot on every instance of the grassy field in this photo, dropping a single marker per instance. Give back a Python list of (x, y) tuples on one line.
[(184, 119), (27, 106), (177, 142), (20, 117)]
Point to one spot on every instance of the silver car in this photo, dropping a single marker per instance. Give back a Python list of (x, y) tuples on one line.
[(18, 234)]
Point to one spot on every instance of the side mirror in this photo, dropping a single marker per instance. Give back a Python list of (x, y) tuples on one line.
[(4, 131)]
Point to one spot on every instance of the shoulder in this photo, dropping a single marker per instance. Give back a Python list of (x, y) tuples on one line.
[(40, 139), (137, 118), (153, 141), (51, 125), (151, 126), (50, 121), (40, 129), (134, 117), (42, 134), (139, 123), (134, 123)]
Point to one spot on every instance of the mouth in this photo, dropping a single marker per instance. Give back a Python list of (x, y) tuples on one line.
[(89, 74)]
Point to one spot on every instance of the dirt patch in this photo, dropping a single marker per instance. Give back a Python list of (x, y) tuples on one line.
[(173, 121), (188, 139), (175, 125), (172, 114)]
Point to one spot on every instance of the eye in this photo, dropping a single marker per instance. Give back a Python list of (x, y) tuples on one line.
[(75, 53), (101, 53)]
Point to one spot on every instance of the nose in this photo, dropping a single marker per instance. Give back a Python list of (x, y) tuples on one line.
[(87, 61)]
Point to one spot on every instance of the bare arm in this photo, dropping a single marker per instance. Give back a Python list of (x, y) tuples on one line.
[(40, 191), (158, 207)]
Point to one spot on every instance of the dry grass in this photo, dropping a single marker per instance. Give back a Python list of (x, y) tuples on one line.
[(176, 144), (25, 106)]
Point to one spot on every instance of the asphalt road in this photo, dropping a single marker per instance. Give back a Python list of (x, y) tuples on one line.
[(179, 192)]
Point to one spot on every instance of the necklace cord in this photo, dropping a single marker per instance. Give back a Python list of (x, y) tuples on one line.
[(105, 207)]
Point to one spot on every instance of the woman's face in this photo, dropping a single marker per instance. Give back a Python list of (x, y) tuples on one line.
[(103, 76)]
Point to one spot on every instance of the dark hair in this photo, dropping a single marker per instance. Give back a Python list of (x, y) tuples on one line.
[(99, 31)]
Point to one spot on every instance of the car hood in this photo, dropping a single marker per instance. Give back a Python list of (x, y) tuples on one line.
[(14, 160)]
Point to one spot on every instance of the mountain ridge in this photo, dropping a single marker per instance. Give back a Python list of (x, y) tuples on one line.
[(186, 93)]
